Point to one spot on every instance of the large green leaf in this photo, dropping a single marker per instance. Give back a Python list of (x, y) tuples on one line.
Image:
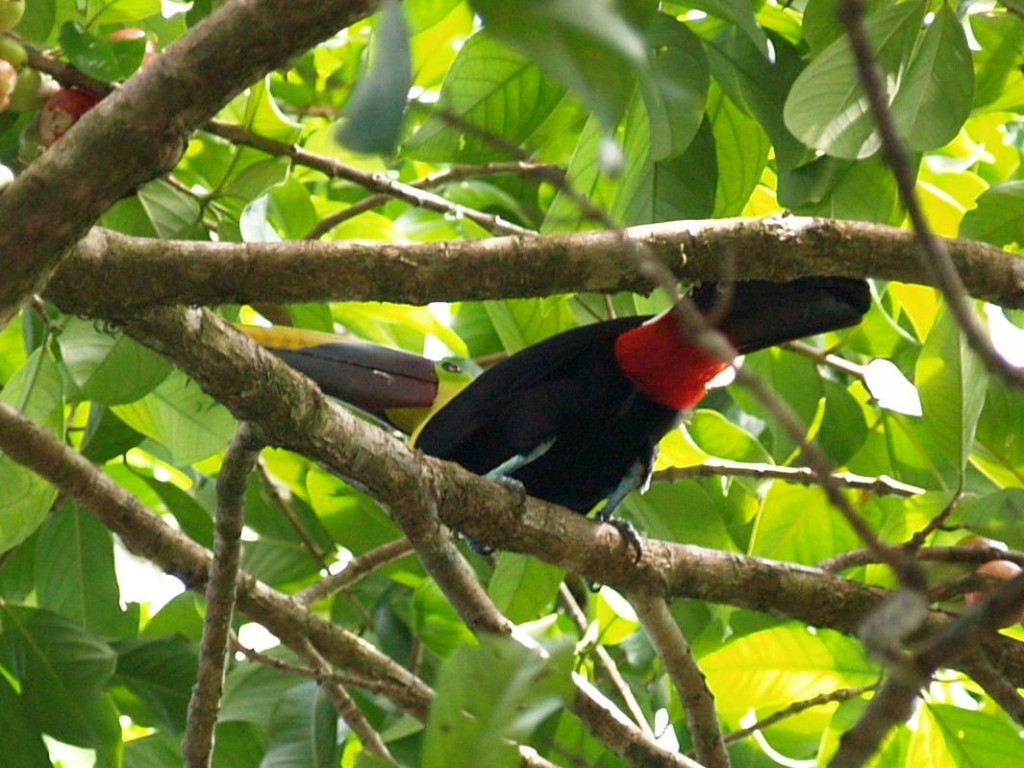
[(593, 49), (676, 92), (37, 391), (182, 418), (798, 524), (998, 217), (770, 669), (522, 586), (495, 92), (998, 450), (75, 574), (99, 56), (62, 670), (303, 730), (948, 736), (951, 380), (488, 695), (97, 363), (930, 75), (153, 682)]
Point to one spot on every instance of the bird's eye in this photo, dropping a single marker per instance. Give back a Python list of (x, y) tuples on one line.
[(451, 367)]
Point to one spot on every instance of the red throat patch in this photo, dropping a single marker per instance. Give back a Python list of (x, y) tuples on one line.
[(654, 357)]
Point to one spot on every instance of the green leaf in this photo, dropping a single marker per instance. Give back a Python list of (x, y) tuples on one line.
[(374, 110), (264, 117), (932, 94), (798, 524), (494, 91), (21, 744), (741, 14), (585, 178), (120, 11), (998, 515), (99, 56), (25, 498), (998, 450), (739, 67), (591, 48), (999, 216), (489, 695), (771, 669), (523, 322), (154, 679), (252, 692), (718, 436), (522, 587), (676, 92), (955, 737), (75, 574), (62, 670), (741, 153), (182, 418), (685, 512), (681, 187), (304, 729), (952, 382), (435, 621), (97, 363), (37, 23), (937, 92), (863, 190), (790, 376), (173, 212)]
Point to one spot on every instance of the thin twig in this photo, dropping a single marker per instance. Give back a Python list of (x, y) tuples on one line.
[(377, 182), (344, 704), (839, 695), (882, 485), (436, 179), (197, 746), (354, 571), (572, 607)]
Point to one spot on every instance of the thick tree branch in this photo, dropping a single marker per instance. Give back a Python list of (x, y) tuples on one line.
[(140, 131), (110, 273)]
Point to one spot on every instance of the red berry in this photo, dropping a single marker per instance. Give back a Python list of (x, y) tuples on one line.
[(61, 111)]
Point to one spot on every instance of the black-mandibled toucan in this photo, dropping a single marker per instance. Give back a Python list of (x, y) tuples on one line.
[(577, 418), (396, 387)]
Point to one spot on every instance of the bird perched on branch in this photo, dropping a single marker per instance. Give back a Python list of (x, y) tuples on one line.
[(576, 419)]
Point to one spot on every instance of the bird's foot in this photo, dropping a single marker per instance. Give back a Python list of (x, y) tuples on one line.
[(629, 533)]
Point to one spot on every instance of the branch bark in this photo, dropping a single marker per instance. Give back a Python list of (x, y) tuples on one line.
[(140, 131), (109, 273)]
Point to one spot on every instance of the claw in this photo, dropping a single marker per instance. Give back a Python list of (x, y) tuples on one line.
[(629, 534)]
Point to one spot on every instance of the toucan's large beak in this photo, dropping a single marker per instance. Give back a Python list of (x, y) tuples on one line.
[(370, 377)]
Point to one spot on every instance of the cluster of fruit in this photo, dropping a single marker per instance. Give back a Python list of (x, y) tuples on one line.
[(24, 89)]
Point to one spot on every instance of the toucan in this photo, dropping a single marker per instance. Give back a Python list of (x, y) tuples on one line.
[(576, 419), (397, 388)]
